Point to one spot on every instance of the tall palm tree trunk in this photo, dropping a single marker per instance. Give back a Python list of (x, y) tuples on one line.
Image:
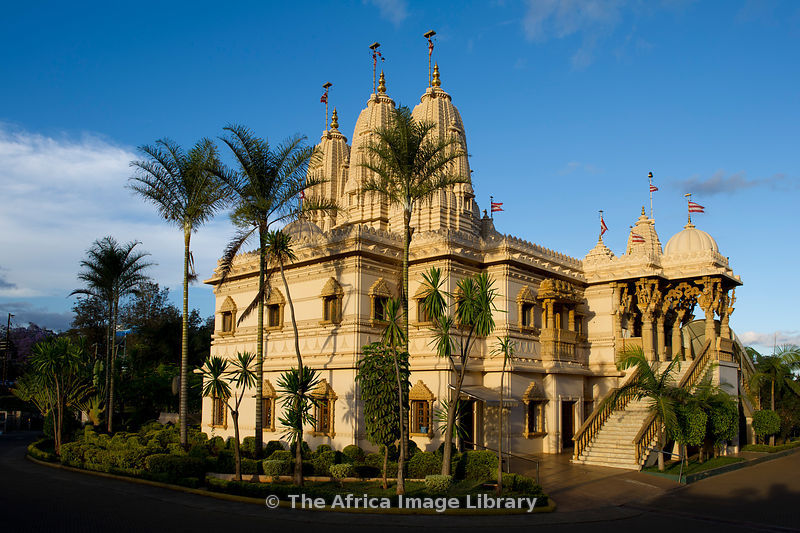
[(298, 452), (237, 454), (262, 255), (107, 365), (110, 427), (772, 407), (183, 408), (401, 483), (500, 435)]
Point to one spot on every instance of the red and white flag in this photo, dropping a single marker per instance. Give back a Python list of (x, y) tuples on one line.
[(324, 98), (603, 227), (636, 238), (497, 206), (430, 47), (694, 207), (653, 188)]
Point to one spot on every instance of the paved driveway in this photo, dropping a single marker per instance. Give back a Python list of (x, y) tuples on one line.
[(39, 498)]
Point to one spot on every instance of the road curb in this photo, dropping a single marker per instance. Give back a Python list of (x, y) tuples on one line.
[(549, 508)]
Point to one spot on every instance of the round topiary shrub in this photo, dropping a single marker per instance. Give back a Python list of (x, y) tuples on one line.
[(341, 471), (323, 448), (272, 447), (423, 464), (374, 460), (273, 467), (353, 454), (323, 461), (281, 455), (437, 484), (766, 422)]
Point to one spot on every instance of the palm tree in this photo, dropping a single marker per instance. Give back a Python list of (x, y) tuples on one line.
[(58, 379), (187, 192), (409, 165), (266, 187), (217, 383), (298, 387), (777, 371), (394, 336), (112, 271), (660, 389), (505, 347), (455, 334), (279, 248)]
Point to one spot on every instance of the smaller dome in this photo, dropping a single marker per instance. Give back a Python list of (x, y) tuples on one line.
[(690, 240), (302, 229)]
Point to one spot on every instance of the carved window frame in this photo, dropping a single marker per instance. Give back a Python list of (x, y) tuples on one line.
[(227, 310), (268, 399), (526, 305), (379, 294), (332, 295), (275, 299), (324, 397), (422, 317), (420, 393), (534, 398), (219, 413)]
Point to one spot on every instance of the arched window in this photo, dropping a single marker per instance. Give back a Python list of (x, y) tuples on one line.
[(535, 403), (227, 317), (274, 309), (420, 417), (324, 410), (379, 295), (526, 302), (268, 414), (331, 295)]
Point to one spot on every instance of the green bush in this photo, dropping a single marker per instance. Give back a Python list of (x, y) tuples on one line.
[(366, 471), (374, 460), (274, 467), (766, 422), (281, 455), (216, 445), (353, 454), (437, 484), (423, 464), (71, 454), (341, 471), (199, 451), (305, 449), (413, 449), (724, 423), (477, 465), (43, 450), (523, 484), (322, 448), (323, 461), (691, 428), (248, 447), (175, 467), (272, 447), (394, 453)]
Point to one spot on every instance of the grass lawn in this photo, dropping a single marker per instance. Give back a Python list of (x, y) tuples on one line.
[(692, 467), (771, 449)]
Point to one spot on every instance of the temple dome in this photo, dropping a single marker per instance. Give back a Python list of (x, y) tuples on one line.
[(690, 240), (302, 229)]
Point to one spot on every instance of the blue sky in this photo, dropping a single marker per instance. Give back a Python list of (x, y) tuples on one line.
[(567, 105)]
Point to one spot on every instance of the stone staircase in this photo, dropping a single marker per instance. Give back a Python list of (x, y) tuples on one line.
[(613, 444)]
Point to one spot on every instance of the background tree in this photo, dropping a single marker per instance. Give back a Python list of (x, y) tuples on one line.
[(224, 384), (471, 317), (187, 191), (660, 389), (409, 164), (375, 375), (111, 271), (774, 374), (266, 185), (297, 387)]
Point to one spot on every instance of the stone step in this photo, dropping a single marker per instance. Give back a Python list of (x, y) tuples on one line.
[(626, 455)]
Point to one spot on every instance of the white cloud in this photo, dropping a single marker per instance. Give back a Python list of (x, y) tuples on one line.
[(395, 11), (775, 338), (60, 195)]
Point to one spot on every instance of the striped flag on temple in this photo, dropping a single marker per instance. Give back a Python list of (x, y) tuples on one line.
[(694, 207), (497, 206), (636, 238)]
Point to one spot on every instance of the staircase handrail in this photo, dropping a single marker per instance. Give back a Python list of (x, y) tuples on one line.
[(588, 430), (652, 424)]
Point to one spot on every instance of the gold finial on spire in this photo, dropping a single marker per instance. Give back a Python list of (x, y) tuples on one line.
[(436, 81), (334, 120), (382, 84), (642, 210)]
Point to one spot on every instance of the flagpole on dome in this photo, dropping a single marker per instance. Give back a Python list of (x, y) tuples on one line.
[(491, 207), (653, 189), (693, 207), (428, 35), (324, 100), (603, 227), (375, 54)]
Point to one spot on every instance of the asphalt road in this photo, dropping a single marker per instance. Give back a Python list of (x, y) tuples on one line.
[(39, 498)]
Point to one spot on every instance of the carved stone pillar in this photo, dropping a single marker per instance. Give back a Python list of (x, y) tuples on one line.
[(648, 298), (727, 310), (709, 300), (661, 351), (677, 339), (549, 319), (572, 319)]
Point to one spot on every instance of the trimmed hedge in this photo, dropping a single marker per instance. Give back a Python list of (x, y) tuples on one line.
[(176, 467), (341, 471), (437, 484), (43, 450), (274, 467), (423, 464), (766, 422), (353, 454), (477, 465)]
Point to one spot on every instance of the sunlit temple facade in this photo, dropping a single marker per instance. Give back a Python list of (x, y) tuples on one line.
[(568, 317)]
